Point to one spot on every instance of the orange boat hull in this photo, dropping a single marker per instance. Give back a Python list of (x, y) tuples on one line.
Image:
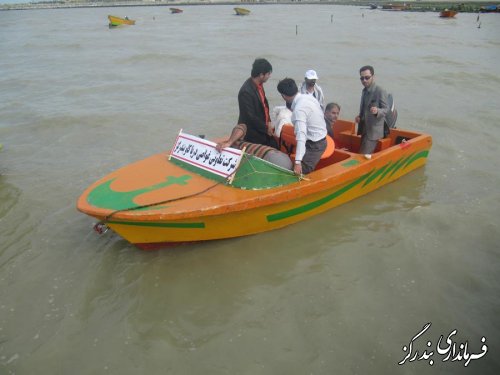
[(448, 13), (154, 202)]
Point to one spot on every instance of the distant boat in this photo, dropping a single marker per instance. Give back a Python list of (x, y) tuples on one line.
[(490, 9), (241, 11), (115, 21), (448, 13), (395, 7), (176, 10)]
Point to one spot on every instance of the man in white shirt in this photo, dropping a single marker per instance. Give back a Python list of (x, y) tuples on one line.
[(310, 87), (309, 124)]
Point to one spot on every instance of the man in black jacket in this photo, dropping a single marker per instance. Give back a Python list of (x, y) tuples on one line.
[(254, 107)]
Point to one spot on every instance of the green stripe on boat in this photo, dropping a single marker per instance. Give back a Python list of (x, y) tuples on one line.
[(159, 225), (369, 177), (316, 204), (375, 175), (420, 155)]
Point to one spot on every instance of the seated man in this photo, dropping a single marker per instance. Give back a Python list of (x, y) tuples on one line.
[(267, 153), (332, 112)]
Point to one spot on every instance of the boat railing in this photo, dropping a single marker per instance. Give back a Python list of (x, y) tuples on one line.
[(350, 141), (339, 155)]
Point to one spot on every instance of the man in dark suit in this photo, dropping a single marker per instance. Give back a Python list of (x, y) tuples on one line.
[(372, 111), (254, 107)]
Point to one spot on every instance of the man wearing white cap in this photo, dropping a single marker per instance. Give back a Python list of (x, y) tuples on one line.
[(310, 87)]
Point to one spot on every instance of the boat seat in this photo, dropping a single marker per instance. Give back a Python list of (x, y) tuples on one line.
[(349, 140), (344, 126), (353, 141), (287, 142), (383, 143)]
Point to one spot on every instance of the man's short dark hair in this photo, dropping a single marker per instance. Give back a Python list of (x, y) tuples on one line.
[(288, 87), (367, 67), (261, 66)]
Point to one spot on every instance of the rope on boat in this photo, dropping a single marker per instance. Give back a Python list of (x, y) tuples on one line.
[(102, 228), (279, 169), (108, 217), (229, 178)]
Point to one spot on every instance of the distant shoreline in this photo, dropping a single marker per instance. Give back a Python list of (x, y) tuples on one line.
[(412, 6), (138, 3)]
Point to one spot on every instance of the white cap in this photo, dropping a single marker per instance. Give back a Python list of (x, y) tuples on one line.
[(311, 74)]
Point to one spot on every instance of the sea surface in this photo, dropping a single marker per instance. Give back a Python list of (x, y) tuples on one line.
[(405, 280)]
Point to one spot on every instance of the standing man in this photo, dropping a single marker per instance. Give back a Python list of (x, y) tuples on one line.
[(310, 87), (254, 107), (332, 112), (309, 125), (372, 111)]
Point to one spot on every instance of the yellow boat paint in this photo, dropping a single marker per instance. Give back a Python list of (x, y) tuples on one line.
[(115, 21), (156, 201)]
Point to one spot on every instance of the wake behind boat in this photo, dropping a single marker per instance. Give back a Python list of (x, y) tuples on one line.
[(193, 193)]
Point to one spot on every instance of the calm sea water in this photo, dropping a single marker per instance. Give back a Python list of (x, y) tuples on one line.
[(342, 293)]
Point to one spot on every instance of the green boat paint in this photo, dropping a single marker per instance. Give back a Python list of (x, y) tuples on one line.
[(312, 205), (376, 174), (369, 177), (199, 225), (350, 163), (103, 196), (253, 173)]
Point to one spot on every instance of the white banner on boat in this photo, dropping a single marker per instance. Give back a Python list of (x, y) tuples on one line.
[(202, 154)]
